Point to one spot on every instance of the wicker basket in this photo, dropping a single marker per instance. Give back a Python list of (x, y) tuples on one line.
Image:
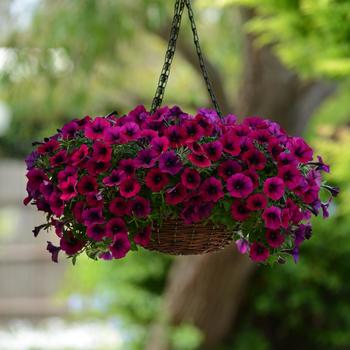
[(176, 238)]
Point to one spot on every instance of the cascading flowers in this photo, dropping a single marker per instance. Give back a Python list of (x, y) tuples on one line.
[(105, 182)]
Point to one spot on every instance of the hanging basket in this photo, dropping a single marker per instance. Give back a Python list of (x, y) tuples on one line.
[(173, 182), (176, 238)]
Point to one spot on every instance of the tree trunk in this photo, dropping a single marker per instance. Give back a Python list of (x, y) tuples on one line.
[(208, 290)]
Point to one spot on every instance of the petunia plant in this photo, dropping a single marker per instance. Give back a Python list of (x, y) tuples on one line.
[(105, 183)]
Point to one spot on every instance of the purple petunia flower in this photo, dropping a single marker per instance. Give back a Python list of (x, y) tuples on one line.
[(53, 250), (255, 159), (129, 187), (101, 152), (169, 162), (300, 149), (274, 238), (113, 135), (31, 160), (146, 158), (87, 185), (272, 218), (258, 252), (115, 226), (239, 185), (290, 175), (95, 129), (156, 180), (120, 246), (213, 150), (130, 131), (115, 178), (274, 188), (140, 207), (239, 210), (92, 216), (242, 245), (160, 144), (143, 237), (211, 189), (257, 201), (228, 168), (96, 232), (191, 178)]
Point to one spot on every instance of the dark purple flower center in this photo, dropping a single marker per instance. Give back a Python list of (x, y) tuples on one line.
[(88, 186), (191, 130), (260, 250), (97, 129), (157, 178)]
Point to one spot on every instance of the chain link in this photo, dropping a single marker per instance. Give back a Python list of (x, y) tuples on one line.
[(169, 56)]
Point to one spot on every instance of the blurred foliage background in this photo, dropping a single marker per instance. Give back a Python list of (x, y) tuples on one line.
[(83, 57)]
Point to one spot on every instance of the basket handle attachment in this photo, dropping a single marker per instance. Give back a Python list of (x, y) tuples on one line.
[(170, 52)]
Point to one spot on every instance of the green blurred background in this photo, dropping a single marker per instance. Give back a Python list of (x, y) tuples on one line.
[(288, 60)]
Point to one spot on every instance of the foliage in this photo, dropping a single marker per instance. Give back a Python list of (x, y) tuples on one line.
[(310, 36)]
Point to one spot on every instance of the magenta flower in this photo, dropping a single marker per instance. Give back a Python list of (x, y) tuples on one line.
[(96, 167), (71, 245), (143, 237), (228, 168), (66, 173), (272, 218), (290, 175), (205, 124), (193, 132), (119, 207), (274, 188), (242, 245), (211, 189), (129, 187), (35, 178), (176, 136), (239, 186), (258, 252), (146, 158), (213, 150), (78, 211), (160, 144), (130, 131), (87, 185), (140, 207), (175, 195), (113, 135), (79, 156), (59, 158), (156, 180), (128, 166), (200, 160), (239, 210), (70, 129), (190, 178), (116, 226), (96, 232), (92, 216), (274, 238), (115, 178), (169, 162), (257, 201), (120, 246), (56, 204), (95, 129), (48, 147), (300, 149), (68, 189), (287, 159), (255, 159), (231, 144), (101, 152)]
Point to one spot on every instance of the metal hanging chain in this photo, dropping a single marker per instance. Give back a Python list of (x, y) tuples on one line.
[(169, 55), (158, 98)]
